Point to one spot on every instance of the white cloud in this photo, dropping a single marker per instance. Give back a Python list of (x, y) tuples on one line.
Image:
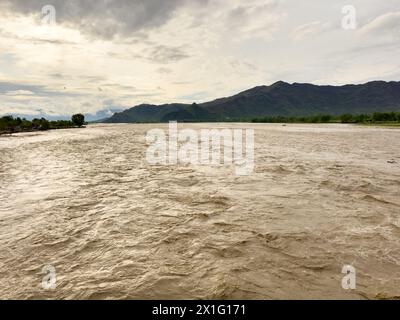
[(19, 93)]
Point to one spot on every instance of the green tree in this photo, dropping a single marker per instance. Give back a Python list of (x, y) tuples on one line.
[(36, 124), (26, 125), (326, 118), (78, 119), (44, 124), (346, 118)]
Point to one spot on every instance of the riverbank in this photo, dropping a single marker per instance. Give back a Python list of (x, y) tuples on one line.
[(386, 125), (4, 133)]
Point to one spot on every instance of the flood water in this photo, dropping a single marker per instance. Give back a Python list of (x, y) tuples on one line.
[(87, 202)]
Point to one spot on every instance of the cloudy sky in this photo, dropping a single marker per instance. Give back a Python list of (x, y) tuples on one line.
[(99, 56)]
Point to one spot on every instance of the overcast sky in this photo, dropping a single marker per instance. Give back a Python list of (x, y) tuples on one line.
[(105, 55)]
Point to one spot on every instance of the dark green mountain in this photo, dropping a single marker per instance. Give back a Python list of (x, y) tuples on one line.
[(279, 99)]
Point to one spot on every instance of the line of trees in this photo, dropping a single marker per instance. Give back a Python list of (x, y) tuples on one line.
[(377, 117), (9, 124)]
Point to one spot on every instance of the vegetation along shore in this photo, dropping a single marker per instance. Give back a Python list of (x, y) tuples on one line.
[(380, 118), (9, 124)]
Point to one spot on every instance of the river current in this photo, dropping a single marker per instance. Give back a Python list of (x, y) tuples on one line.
[(87, 202)]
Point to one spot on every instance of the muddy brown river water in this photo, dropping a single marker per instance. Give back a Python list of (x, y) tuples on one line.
[(87, 202)]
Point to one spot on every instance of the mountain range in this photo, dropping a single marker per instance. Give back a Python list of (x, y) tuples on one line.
[(278, 99)]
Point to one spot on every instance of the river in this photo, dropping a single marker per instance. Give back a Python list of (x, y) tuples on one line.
[(87, 202)]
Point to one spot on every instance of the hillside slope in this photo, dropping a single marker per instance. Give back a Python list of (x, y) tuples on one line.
[(279, 99)]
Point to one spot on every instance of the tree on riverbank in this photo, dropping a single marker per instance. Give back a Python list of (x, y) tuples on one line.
[(78, 119)]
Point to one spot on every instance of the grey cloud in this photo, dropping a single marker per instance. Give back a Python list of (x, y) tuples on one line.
[(155, 53), (163, 70), (6, 87), (38, 90), (82, 78), (119, 87), (57, 76), (164, 54), (105, 19), (248, 14)]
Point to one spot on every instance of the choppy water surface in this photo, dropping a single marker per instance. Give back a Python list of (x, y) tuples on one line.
[(87, 202)]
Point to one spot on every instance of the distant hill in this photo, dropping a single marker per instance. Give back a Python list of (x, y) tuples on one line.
[(279, 99)]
